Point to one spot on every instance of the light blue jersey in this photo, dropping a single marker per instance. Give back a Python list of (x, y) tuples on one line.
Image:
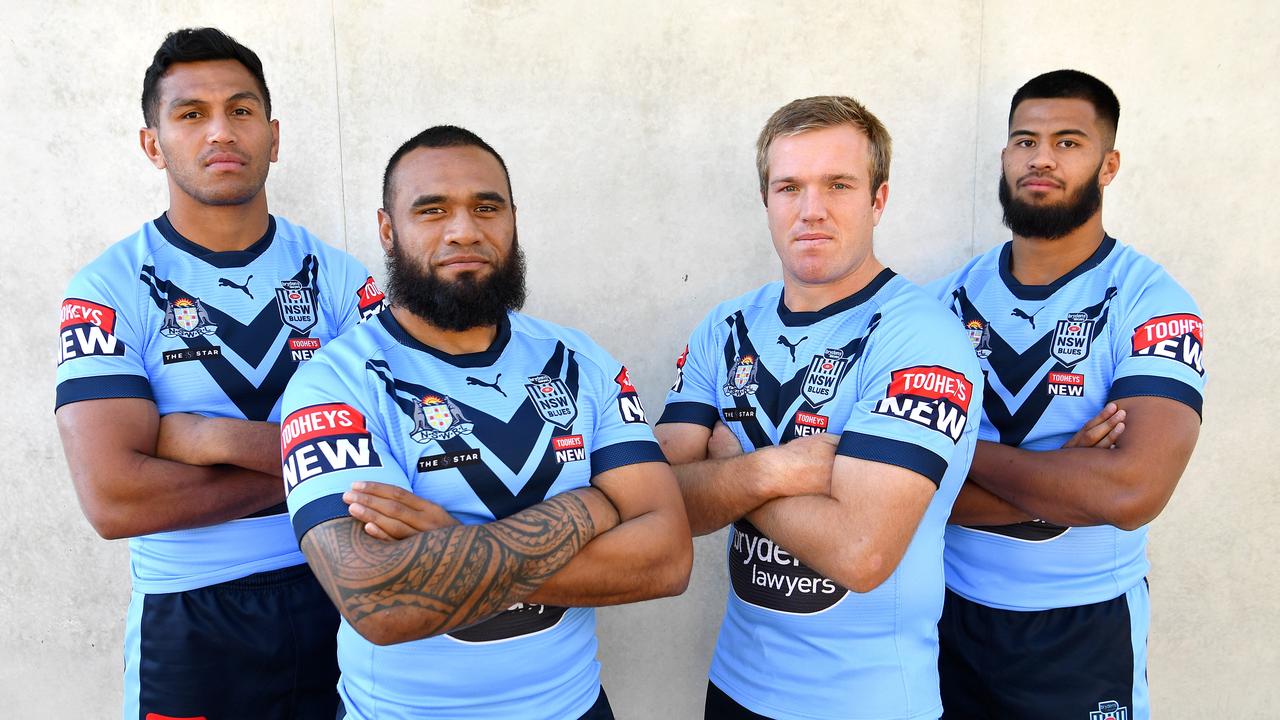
[(483, 435), (1117, 326), (215, 333), (890, 372)]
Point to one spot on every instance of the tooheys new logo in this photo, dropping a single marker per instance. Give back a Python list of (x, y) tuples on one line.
[(765, 575), (324, 438), (88, 329), (929, 395), (370, 299), (1176, 337)]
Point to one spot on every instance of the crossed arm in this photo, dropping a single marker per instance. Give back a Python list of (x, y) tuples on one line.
[(648, 555), (137, 473), (854, 530), (1126, 487), (430, 582)]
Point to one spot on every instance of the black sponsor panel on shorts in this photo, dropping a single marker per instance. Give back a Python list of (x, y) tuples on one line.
[(767, 576), (517, 620)]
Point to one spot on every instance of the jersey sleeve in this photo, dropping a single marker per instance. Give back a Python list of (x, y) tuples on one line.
[(356, 296), (917, 383), (1158, 346), (621, 432), (101, 337), (331, 436), (693, 398)]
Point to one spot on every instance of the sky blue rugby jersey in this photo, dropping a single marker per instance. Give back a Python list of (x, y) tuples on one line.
[(1117, 326), (483, 435), (215, 333), (890, 372)]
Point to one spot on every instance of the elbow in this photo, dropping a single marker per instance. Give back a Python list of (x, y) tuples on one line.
[(107, 518), (864, 572), (375, 629), (1132, 513), (678, 569)]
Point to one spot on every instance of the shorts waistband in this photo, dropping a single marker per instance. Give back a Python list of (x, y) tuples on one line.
[(267, 579)]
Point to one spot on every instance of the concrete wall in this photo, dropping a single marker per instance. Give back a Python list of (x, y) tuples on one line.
[(628, 128)]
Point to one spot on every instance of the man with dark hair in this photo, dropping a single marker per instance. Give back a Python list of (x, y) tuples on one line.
[(1047, 607), (850, 388), (176, 345), (468, 481)]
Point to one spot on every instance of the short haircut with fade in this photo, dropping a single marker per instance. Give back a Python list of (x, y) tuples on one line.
[(197, 45), (440, 136), (1075, 85), (824, 111)]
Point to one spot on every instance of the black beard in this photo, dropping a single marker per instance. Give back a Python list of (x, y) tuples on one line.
[(1050, 222), (464, 303)]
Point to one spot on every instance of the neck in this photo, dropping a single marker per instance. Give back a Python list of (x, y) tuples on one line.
[(219, 228), (453, 342), (799, 296), (1037, 261)]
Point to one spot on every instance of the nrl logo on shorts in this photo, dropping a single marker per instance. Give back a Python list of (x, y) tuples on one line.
[(980, 337), (1109, 710), (187, 318), (297, 304), (436, 417), (824, 376), (1070, 342), (553, 401), (742, 377)]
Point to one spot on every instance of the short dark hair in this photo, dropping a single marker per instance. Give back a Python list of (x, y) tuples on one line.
[(1075, 85), (440, 136), (195, 45)]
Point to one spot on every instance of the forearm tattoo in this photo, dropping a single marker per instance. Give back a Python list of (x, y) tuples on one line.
[(452, 577)]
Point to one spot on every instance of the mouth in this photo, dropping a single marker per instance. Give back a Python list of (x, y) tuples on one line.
[(463, 263), (1039, 183), (225, 161), (811, 238)]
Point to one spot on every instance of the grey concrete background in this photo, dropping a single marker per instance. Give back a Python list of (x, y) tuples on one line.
[(628, 128)]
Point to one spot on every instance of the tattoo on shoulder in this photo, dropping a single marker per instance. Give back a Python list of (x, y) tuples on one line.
[(451, 577)]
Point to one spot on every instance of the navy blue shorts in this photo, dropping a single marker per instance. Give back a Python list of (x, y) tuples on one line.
[(1087, 662), (261, 647), (719, 706)]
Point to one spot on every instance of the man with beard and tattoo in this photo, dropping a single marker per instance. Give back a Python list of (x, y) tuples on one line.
[(1047, 606), (176, 345), (500, 475)]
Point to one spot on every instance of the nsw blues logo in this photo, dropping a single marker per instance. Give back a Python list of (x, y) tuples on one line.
[(553, 401), (823, 378), (187, 318), (297, 304), (742, 377), (1071, 339), (436, 417)]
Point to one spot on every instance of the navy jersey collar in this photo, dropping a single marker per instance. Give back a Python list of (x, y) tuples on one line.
[(791, 318), (1042, 292), (227, 259), (483, 358)]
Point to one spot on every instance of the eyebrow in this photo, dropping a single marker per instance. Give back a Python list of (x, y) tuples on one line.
[(843, 177), (488, 196), (1056, 133), (186, 101)]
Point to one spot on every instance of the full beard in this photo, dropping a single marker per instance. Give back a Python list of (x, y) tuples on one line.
[(461, 304), (1050, 222)]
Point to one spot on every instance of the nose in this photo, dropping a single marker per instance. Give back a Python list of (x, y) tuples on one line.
[(220, 129), (1042, 157), (813, 207), (462, 229)]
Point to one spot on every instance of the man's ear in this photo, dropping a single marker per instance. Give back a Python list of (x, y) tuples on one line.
[(149, 139)]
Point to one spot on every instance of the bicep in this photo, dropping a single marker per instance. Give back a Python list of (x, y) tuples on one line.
[(640, 488), (882, 502), (683, 443), (1159, 436), (101, 434)]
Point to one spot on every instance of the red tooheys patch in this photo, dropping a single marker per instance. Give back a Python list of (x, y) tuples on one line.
[(624, 381), (811, 420), (82, 312), (1177, 337), (319, 421), (306, 343), (929, 395), (369, 295)]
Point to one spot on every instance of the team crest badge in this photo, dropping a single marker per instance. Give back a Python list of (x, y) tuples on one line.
[(1109, 710), (437, 418), (297, 304), (980, 336), (825, 372), (742, 377), (1070, 342), (553, 401), (187, 318)]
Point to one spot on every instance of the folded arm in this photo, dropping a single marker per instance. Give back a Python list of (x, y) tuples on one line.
[(125, 490), (435, 581), (198, 440), (1126, 486)]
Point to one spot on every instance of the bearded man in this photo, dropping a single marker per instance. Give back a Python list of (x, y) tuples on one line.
[(467, 481)]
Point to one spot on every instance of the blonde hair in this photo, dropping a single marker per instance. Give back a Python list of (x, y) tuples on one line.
[(824, 111)]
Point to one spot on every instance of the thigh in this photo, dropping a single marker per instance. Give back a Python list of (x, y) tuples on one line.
[(720, 706), (260, 647)]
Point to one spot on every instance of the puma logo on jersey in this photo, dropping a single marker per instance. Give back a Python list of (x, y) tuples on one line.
[(223, 282), (1017, 312), (791, 347), (87, 329), (491, 385)]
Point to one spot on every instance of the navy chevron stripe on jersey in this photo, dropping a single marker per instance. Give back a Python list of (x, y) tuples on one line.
[(1116, 326), (480, 455)]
